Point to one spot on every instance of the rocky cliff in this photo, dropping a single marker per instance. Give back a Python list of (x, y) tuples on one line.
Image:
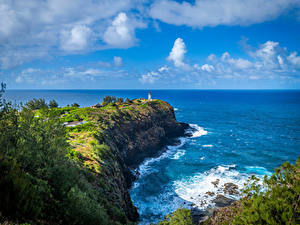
[(116, 138)]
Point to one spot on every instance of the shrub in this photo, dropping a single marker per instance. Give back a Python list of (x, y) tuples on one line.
[(275, 201), (180, 217), (75, 105)]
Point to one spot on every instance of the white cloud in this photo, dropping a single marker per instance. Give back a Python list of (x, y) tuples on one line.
[(149, 77), (211, 57), (268, 61), (76, 39), (240, 63), (27, 75), (35, 29), (177, 53), (280, 60), (294, 59), (207, 67), (118, 61), (121, 33), (159, 74), (163, 68), (267, 54), (83, 74), (213, 12)]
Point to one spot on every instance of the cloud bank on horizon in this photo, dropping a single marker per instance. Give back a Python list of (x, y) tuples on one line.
[(43, 43)]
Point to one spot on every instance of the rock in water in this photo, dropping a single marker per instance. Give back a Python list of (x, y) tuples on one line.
[(231, 189), (222, 201), (216, 182)]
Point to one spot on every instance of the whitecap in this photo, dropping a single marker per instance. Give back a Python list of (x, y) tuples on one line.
[(175, 109), (194, 188), (207, 146), (197, 131), (179, 154)]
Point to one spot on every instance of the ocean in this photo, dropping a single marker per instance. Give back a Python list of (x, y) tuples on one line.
[(238, 133)]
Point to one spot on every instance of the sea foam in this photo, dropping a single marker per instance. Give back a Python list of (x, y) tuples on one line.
[(146, 167), (193, 189), (196, 131)]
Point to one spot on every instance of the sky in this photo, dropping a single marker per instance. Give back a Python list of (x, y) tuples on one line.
[(150, 44)]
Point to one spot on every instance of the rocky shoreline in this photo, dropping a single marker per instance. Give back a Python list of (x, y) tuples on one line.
[(221, 202)]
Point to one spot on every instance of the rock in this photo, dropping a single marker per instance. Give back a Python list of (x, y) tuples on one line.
[(210, 193), (216, 182), (222, 201), (198, 215), (231, 189)]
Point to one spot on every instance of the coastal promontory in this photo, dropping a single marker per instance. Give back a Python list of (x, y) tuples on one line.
[(74, 165)]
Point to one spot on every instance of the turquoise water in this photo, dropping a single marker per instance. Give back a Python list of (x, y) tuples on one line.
[(238, 133)]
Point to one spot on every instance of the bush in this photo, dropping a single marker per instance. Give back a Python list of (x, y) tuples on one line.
[(276, 201), (75, 105), (180, 217)]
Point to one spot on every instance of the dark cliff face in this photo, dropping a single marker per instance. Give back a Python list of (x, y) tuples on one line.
[(148, 133), (139, 134)]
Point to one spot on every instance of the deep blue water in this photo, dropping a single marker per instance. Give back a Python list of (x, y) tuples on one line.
[(238, 133)]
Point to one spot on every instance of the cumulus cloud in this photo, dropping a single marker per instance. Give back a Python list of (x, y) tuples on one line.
[(177, 53), (267, 61), (205, 67), (76, 39), (121, 33), (212, 13), (294, 59), (118, 61), (35, 29), (238, 63)]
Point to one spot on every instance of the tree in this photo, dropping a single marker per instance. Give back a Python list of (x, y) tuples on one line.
[(128, 101), (2, 90), (120, 100), (75, 105), (107, 99), (36, 104), (53, 104)]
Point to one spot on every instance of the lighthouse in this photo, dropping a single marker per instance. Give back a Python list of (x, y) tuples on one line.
[(149, 96)]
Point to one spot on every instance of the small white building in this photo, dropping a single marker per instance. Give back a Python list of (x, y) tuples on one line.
[(149, 96)]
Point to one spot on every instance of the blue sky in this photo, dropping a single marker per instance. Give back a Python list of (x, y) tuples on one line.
[(141, 44)]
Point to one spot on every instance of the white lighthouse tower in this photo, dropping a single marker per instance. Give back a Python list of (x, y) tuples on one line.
[(149, 96)]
